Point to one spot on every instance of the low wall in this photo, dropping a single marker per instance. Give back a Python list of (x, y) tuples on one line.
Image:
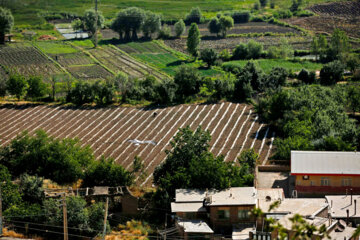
[(274, 168)]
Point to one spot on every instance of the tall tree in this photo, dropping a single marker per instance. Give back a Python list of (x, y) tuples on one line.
[(226, 23), (89, 21), (127, 21), (152, 23), (6, 23), (16, 85), (214, 26), (193, 40), (179, 28)]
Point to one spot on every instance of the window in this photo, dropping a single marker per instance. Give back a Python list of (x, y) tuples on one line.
[(223, 214), (243, 214), (346, 182), (325, 181), (312, 183)]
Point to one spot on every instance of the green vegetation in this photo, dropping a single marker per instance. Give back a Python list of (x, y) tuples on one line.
[(6, 23), (55, 47), (267, 64)]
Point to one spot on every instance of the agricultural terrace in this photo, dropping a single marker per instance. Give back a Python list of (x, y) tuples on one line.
[(234, 127), (25, 59), (160, 56)]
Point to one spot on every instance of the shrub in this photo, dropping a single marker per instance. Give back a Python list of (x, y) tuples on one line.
[(241, 17), (165, 32), (214, 26), (257, 19), (209, 56), (166, 91), (283, 14), (225, 55), (36, 87), (275, 79), (224, 87), (240, 52), (16, 85), (195, 16), (332, 73), (193, 40), (263, 3), (272, 4), (226, 23), (284, 50), (179, 28), (306, 76), (304, 13), (187, 78), (256, 6), (254, 49)]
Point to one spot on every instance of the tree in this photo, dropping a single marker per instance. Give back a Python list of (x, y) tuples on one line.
[(36, 87), (339, 45), (306, 76), (3, 87), (166, 91), (77, 24), (263, 3), (82, 93), (10, 192), (152, 23), (128, 21), (275, 79), (6, 23), (193, 40), (187, 79), (16, 85), (248, 160), (179, 28), (353, 98), (240, 52), (214, 26), (209, 56), (31, 189), (89, 21), (241, 17), (106, 173), (332, 73), (226, 23), (195, 16), (254, 49)]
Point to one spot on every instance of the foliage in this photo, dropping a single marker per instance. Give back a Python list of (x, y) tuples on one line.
[(10, 192), (339, 45), (187, 79), (36, 87), (226, 23), (209, 56), (214, 26), (179, 28), (89, 21), (284, 51), (6, 23), (295, 5), (332, 73), (353, 98), (84, 92), (275, 79), (16, 85), (306, 76), (248, 160), (241, 17), (166, 91), (189, 164), (63, 161), (256, 6), (77, 24), (263, 3), (281, 14), (224, 87), (251, 50), (165, 32), (31, 188), (2, 87), (128, 21), (152, 23), (193, 40), (106, 173), (195, 16)]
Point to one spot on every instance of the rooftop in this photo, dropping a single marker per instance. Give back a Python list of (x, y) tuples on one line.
[(195, 226), (302, 206), (316, 221), (321, 162), (340, 203), (187, 207), (267, 196)]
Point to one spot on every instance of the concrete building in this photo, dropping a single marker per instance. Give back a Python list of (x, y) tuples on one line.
[(320, 173), (345, 208)]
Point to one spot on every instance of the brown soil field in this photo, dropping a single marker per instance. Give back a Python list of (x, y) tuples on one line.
[(342, 15), (234, 127), (89, 72)]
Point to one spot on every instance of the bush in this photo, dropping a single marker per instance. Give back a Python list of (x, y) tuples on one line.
[(283, 14), (256, 6), (36, 88), (187, 78), (179, 28), (166, 91), (225, 55), (275, 79), (165, 32), (224, 87), (303, 13), (272, 4), (251, 50), (306, 76), (16, 85), (332, 73), (240, 52), (195, 16), (257, 19), (209, 56), (284, 50), (214, 26), (263, 3), (241, 17)]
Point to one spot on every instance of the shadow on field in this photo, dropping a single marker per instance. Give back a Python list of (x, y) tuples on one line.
[(19, 106)]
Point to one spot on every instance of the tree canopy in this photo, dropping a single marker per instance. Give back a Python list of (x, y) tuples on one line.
[(193, 40), (6, 23)]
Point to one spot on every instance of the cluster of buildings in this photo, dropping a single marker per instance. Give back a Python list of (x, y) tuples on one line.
[(326, 194)]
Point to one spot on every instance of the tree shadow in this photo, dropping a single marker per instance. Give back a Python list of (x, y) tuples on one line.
[(177, 63)]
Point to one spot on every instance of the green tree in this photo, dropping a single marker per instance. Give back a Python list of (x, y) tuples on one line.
[(263, 3), (331, 73), (36, 87), (214, 26), (353, 98), (166, 91), (106, 173), (339, 45), (226, 23), (193, 40), (195, 16), (6, 23), (187, 79), (3, 87), (16, 85), (89, 21), (209, 56), (152, 23), (248, 160), (240, 52), (77, 24), (179, 28), (11, 195), (255, 49), (128, 21), (31, 189), (96, 218), (82, 93)]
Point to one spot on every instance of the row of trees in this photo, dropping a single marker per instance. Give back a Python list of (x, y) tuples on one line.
[(31, 87)]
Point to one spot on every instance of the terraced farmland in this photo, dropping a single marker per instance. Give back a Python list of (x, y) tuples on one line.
[(234, 127), (25, 59)]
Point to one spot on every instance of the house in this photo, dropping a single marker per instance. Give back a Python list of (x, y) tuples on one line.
[(320, 173), (190, 229), (345, 208)]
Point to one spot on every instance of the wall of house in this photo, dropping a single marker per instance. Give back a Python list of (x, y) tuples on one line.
[(220, 224), (336, 185)]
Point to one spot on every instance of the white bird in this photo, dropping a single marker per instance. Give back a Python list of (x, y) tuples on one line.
[(138, 142)]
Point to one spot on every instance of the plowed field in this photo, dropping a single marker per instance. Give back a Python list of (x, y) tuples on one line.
[(233, 127)]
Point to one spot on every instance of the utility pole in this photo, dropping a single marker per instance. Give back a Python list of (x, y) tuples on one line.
[(66, 237), (105, 216), (165, 225), (96, 23), (1, 218)]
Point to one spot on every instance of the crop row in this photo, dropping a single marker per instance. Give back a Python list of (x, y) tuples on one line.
[(234, 127)]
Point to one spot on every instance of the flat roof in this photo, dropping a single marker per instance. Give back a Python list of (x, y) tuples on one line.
[(191, 195), (340, 203), (195, 226), (187, 207), (267, 196), (325, 163), (233, 196), (316, 221), (302, 206)]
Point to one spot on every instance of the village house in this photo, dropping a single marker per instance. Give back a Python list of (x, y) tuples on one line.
[(345, 208), (320, 173)]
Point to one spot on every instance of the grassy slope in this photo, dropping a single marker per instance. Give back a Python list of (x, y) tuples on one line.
[(26, 11), (268, 64)]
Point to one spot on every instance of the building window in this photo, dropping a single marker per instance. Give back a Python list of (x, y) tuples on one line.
[(243, 214), (346, 182), (312, 183), (325, 181), (223, 214)]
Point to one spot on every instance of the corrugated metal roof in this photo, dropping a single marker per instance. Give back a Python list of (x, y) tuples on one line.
[(187, 207), (321, 162), (195, 226)]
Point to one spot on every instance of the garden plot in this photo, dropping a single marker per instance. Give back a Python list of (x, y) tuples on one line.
[(89, 72), (26, 60), (234, 128), (118, 61)]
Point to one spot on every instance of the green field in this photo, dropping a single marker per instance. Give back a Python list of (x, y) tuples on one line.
[(267, 64), (29, 11)]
